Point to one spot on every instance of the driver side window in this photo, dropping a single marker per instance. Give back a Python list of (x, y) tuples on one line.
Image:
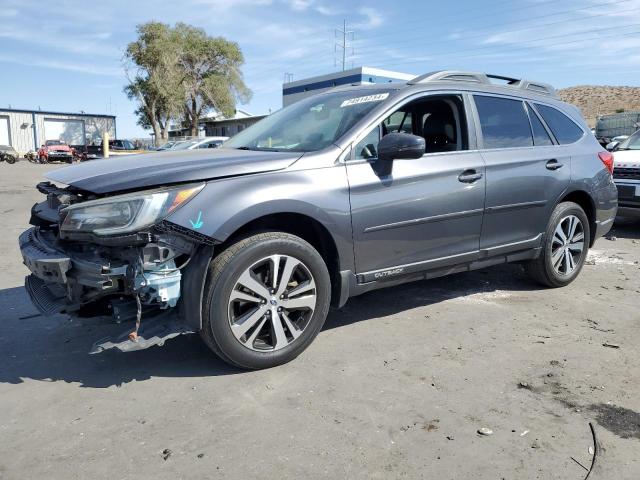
[(440, 119)]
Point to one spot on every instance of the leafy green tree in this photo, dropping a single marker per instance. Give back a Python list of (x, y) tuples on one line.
[(154, 78), (181, 73), (211, 74)]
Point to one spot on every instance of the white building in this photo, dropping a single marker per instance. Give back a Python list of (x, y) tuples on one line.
[(27, 130)]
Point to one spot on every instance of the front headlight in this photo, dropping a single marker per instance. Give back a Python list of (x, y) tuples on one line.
[(126, 213)]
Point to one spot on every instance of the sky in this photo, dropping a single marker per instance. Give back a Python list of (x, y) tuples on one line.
[(66, 55)]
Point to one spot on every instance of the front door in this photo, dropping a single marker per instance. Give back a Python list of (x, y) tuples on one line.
[(423, 213)]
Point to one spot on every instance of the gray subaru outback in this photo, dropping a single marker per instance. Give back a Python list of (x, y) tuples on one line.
[(355, 189)]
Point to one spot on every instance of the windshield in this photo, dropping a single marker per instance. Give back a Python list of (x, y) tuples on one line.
[(631, 143), (185, 145), (50, 143), (310, 124)]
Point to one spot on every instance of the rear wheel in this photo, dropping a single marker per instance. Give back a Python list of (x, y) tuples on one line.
[(10, 159), (565, 247), (266, 298)]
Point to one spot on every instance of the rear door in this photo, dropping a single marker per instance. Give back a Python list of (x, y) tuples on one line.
[(526, 172), (423, 213)]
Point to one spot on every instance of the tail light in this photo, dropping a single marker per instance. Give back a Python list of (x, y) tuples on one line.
[(607, 159)]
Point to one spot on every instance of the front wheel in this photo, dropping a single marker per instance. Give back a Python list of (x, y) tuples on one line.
[(10, 159), (266, 298), (565, 247)]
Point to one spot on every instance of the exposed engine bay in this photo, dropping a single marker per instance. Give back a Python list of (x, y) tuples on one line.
[(129, 277)]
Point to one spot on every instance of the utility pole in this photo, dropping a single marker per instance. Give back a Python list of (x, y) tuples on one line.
[(347, 36)]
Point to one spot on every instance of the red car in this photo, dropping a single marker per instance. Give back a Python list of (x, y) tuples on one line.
[(56, 150)]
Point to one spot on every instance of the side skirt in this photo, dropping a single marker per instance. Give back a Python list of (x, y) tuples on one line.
[(353, 285)]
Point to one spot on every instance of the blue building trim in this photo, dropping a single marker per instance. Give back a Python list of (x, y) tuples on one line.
[(335, 82), (323, 84)]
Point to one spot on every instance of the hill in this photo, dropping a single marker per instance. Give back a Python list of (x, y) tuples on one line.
[(594, 101)]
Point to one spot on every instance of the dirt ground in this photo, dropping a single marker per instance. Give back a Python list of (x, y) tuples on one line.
[(395, 386)]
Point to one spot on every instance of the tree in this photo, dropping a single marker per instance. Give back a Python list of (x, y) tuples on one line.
[(153, 112), (151, 67), (180, 73), (211, 74)]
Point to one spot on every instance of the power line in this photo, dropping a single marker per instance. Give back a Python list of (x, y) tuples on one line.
[(479, 35), (405, 39), (529, 42), (581, 40), (456, 18)]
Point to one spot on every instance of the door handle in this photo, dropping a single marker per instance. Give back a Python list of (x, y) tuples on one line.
[(469, 176), (553, 164)]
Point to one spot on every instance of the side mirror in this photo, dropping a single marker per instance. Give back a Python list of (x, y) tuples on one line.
[(400, 146), (612, 146)]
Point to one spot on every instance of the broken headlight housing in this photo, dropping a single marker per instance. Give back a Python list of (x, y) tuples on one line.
[(128, 213)]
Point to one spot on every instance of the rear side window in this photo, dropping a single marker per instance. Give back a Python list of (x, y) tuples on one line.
[(504, 122), (540, 135), (565, 129)]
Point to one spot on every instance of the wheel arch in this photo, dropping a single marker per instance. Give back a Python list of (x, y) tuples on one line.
[(301, 225), (587, 204)]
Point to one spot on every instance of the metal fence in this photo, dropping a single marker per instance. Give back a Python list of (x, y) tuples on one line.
[(610, 126)]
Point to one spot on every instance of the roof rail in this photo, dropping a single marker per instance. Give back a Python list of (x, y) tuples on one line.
[(484, 78)]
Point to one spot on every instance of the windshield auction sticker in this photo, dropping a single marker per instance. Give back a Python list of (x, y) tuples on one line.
[(369, 98)]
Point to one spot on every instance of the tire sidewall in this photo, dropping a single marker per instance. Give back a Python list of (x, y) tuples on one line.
[(216, 316), (562, 210)]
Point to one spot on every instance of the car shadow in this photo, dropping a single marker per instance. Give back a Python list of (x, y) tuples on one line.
[(55, 348), (626, 227)]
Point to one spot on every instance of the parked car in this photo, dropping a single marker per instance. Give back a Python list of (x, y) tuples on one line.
[(610, 126), (55, 150), (8, 154), (116, 147), (208, 142), (615, 141), (354, 189), (626, 175), (166, 145)]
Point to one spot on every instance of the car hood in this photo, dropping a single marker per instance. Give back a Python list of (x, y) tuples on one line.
[(168, 167), (626, 159)]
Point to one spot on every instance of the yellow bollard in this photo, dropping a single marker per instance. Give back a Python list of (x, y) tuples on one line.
[(105, 144)]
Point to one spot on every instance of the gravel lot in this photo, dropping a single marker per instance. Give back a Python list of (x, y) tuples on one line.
[(396, 386)]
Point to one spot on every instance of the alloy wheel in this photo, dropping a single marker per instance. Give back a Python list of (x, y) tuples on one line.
[(567, 246), (272, 303)]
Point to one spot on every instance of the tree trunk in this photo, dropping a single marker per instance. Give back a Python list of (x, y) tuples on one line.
[(157, 135), (194, 117)]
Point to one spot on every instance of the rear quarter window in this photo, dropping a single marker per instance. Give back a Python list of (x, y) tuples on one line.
[(565, 130)]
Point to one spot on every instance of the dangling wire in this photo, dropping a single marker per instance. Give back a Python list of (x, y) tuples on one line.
[(133, 336)]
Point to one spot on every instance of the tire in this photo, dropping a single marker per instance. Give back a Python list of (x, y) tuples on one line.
[(553, 268), (10, 159), (252, 261)]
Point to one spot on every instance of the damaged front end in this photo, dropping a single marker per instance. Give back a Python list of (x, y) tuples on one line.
[(117, 257)]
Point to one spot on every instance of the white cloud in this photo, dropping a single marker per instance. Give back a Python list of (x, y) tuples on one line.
[(300, 5), (8, 12), (90, 68), (371, 18), (56, 38), (323, 10)]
